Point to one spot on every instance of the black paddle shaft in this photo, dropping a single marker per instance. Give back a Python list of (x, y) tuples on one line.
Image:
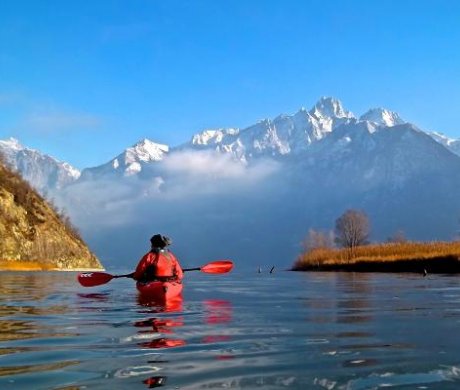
[(132, 274), (124, 276)]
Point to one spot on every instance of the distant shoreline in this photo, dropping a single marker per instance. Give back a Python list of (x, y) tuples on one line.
[(35, 266), (450, 265), (414, 257)]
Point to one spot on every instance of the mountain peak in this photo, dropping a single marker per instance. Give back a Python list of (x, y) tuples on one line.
[(330, 107), (382, 117), (12, 143), (146, 150), (212, 136)]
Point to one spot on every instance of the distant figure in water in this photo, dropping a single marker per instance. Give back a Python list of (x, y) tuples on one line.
[(259, 270), (272, 270), (424, 272)]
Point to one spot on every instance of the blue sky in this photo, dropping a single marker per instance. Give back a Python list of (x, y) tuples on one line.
[(82, 80)]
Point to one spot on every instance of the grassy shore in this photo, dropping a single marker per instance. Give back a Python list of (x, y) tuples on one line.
[(432, 257)]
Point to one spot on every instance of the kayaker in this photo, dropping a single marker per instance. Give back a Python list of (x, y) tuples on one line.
[(159, 263)]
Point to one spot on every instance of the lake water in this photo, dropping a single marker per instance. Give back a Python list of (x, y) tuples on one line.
[(240, 330)]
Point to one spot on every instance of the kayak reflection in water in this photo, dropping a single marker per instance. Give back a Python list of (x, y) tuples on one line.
[(159, 325), (155, 381), (159, 263)]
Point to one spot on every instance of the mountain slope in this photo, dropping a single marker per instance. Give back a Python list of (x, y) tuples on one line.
[(253, 193), (43, 172), (452, 144), (130, 162), (33, 233)]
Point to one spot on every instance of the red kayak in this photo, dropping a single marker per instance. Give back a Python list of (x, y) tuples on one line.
[(161, 291)]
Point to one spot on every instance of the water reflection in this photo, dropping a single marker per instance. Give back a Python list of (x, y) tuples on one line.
[(31, 306), (33, 286), (30, 368), (217, 311), (19, 294), (347, 302), (353, 295), (161, 328), (157, 326), (336, 331)]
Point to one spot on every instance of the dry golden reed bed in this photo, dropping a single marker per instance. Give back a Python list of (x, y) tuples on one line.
[(439, 256), (24, 266), (12, 265)]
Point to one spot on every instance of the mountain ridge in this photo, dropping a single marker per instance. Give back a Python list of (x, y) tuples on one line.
[(282, 135), (249, 189)]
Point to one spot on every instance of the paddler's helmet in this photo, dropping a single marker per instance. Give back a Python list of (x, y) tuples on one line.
[(160, 241)]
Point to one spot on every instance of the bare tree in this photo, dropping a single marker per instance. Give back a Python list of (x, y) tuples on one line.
[(316, 239), (352, 230), (398, 237)]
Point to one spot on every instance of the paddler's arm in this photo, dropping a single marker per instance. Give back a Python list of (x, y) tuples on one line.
[(141, 267), (178, 270)]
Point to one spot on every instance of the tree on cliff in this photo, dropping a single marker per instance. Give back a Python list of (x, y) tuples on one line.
[(352, 229)]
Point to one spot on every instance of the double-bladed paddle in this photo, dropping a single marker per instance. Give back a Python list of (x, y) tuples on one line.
[(91, 279)]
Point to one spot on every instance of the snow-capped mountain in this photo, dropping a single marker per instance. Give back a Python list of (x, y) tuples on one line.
[(254, 192), (450, 143), (42, 171), (382, 117), (281, 136), (130, 162)]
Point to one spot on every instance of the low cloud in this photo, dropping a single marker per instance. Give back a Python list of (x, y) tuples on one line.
[(182, 179), (209, 164)]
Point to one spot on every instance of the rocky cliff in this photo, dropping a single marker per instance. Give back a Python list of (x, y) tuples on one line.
[(33, 235)]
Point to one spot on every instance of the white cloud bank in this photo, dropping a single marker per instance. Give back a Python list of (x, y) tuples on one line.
[(182, 178)]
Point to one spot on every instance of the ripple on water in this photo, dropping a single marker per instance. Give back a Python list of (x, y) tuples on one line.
[(284, 331)]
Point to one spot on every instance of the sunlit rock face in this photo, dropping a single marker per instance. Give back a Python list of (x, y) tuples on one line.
[(33, 234)]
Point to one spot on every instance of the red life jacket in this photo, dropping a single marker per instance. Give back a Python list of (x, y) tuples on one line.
[(160, 265)]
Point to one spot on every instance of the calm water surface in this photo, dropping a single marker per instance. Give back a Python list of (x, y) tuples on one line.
[(285, 330)]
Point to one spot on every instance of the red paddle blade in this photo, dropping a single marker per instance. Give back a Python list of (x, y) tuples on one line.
[(90, 279), (217, 267)]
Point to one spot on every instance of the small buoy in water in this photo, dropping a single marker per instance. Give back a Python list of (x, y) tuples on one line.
[(259, 270), (272, 270), (424, 272)]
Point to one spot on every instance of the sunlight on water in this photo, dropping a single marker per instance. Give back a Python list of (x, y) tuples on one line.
[(285, 330)]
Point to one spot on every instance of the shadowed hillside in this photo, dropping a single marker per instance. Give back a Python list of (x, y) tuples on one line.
[(34, 236)]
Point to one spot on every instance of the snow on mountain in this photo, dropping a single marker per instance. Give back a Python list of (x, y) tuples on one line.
[(42, 171), (212, 137), (326, 161), (129, 163), (382, 117), (398, 175), (450, 143), (279, 137), (329, 114)]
